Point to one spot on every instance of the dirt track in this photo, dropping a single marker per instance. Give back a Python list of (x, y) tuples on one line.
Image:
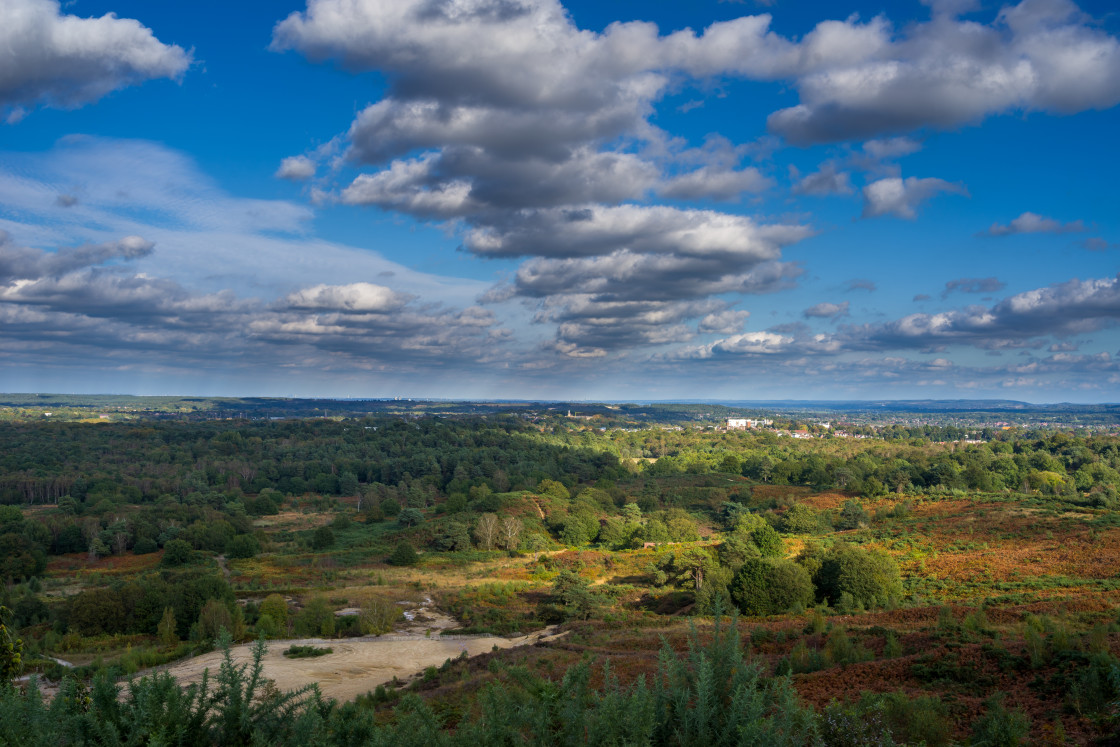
[(357, 665)]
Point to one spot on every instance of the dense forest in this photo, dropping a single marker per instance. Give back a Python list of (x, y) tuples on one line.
[(222, 461)]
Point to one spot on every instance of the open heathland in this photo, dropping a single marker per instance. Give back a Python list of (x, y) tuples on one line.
[(928, 584)]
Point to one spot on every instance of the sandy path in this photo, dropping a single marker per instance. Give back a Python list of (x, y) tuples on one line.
[(357, 665)]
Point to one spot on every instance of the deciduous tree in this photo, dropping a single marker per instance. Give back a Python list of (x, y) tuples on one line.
[(486, 531)]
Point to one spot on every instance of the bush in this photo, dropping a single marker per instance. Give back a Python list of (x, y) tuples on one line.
[(263, 505), (801, 519), (145, 546), (767, 541), (317, 618), (378, 616), (735, 550), (917, 720), (554, 489), (410, 517), (243, 546), (1095, 684), (841, 649), (177, 552), (275, 607), (769, 586), (213, 619), (306, 652), (848, 726), (267, 627), (456, 536), (852, 516), (999, 727), (322, 538), (870, 578), (405, 554), (572, 598)]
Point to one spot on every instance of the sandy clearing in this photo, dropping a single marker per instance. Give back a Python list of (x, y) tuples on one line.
[(357, 665)]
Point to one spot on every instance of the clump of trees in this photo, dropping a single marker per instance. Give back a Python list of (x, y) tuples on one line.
[(769, 586), (850, 577), (749, 568)]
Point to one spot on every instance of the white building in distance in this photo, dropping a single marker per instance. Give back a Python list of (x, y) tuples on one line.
[(741, 424)]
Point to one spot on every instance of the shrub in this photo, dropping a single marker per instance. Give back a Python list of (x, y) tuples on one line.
[(322, 538), (378, 616), (852, 726), (612, 533), (767, 541), (213, 619), (852, 516), (456, 536), (841, 649), (553, 489), (577, 530), (267, 627), (804, 659), (768, 586), (410, 517), (713, 596), (405, 554), (11, 651), (177, 552), (999, 727), (317, 618), (872, 579), (262, 505), (243, 546), (735, 550), (1095, 683), (572, 598), (907, 719), (801, 519), (306, 652), (145, 546), (166, 628), (275, 607)]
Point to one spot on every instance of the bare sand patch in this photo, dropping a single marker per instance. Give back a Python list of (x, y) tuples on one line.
[(357, 665)]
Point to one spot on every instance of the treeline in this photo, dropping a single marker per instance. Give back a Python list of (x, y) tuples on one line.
[(1055, 463), (90, 462), (418, 462)]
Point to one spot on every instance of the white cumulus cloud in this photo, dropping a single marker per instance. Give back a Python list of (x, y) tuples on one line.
[(901, 197), (1034, 223), (53, 59)]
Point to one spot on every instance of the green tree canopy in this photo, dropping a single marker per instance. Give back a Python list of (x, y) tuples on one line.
[(870, 577), (770, 586), (404, 554)]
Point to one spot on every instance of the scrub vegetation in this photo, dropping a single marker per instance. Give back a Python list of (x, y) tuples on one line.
[(931, 583)]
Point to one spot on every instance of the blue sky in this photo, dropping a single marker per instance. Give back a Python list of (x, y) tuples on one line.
[(522, 198)]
